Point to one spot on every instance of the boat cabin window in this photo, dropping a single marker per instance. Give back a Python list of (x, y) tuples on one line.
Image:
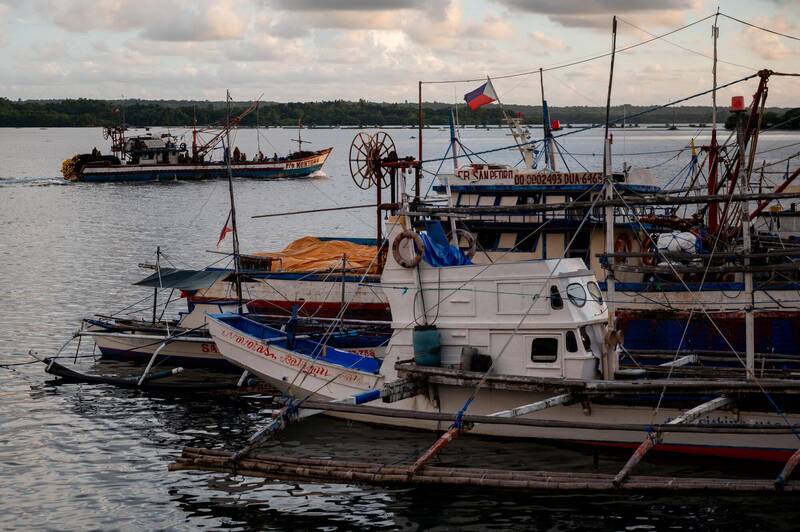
[(572, 342), (556, 302), (576, 294), (526, 242), (544, 350), (587, 343), (594, 291), (488, 240)]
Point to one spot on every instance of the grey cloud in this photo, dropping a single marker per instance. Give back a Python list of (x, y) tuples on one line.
[(350, 5), (596, 7), (597, 13)]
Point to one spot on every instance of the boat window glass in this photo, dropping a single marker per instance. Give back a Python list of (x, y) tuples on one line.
[(544, 350), (572, 342), (526, 242), (587, 343), (556, 302), (576, 294), (594, 291), (487, 240)]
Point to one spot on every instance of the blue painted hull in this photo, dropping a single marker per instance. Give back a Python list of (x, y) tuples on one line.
[(128, 173), (194, 175)]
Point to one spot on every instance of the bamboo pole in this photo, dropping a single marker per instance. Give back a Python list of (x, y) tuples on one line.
[(284, 467), (652, 438)]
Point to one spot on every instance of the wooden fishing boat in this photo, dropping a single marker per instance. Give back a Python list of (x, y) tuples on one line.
[(541, 326), (146, 158)]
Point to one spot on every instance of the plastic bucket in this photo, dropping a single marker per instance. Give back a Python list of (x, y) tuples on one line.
[(427, 346)]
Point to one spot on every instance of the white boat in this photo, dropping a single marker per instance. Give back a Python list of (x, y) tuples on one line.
[(542, 325)]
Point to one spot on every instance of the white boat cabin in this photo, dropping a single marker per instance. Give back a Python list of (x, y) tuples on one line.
[(149, 150), (544, 235), (542, 318)]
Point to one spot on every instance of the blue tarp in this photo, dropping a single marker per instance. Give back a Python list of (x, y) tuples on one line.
[(438, 251)]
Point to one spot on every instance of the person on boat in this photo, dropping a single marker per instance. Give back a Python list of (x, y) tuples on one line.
[(243, 157), (260, 156), (236, 154), (274, 156), (95, 152)]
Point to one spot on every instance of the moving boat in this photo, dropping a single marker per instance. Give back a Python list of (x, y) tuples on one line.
[(163, 158)]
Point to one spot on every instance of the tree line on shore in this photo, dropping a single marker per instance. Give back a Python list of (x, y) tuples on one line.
[(83, 112)]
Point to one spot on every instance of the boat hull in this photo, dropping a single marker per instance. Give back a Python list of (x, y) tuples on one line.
[(190, 351), (299, 376), (301, 167)]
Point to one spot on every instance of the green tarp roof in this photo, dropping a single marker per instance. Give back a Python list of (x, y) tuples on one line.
[(183, 279)]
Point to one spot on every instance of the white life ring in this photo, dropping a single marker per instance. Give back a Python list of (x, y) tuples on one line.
[(419, 249), (472, 242)]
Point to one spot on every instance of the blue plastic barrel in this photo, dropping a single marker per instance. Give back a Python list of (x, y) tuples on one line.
[(427, 346)]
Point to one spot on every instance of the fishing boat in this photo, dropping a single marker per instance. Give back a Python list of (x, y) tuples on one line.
[(163, 158), (527, 340), (314, 275)]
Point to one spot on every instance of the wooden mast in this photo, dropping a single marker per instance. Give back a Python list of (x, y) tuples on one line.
[(418, 169), (713, 151), (749, 322), (549, 151), (608, 363), (236, 255)]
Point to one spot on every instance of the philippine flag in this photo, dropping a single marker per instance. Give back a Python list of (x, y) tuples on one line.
[(481, 96)]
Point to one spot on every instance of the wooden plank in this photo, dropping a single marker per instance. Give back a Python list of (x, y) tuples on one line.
[(454, 377), (535, 407)]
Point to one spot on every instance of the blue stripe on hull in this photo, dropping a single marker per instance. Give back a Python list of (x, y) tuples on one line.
[(774, 334), (157, 174)]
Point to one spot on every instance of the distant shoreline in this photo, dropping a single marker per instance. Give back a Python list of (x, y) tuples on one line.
[(341, 113)]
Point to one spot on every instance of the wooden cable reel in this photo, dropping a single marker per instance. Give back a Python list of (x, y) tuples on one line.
[(367, 153)]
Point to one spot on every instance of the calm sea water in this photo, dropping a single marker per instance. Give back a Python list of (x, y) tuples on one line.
[(79, 456)]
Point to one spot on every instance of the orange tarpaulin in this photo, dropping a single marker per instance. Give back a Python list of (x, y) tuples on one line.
[(312, 254)]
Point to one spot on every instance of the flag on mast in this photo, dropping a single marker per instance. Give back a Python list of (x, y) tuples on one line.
[(481, 96), (225, 230)]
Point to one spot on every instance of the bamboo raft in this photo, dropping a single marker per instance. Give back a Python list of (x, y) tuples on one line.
[(275, 467)]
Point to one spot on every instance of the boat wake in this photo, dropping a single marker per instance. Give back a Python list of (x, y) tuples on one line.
[(33, 181)]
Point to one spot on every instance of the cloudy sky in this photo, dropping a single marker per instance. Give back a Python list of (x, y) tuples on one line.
[(292, 50)]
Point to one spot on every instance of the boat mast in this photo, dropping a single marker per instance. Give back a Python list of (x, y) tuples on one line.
[(448, 190), (549, 148), (713, 151), (418, 169), (744, 182), (155, 290), (258, 135), (194, 133), (521, 137), (236, 255), (609, 364)]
